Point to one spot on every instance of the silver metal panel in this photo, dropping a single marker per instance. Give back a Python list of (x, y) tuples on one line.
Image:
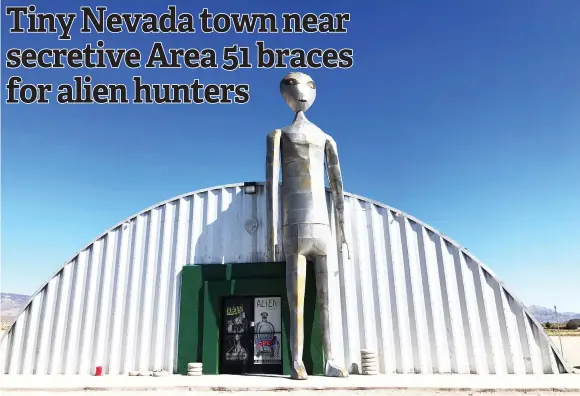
[(417, 297)]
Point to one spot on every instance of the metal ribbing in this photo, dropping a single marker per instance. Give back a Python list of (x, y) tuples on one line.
[(423, 302)]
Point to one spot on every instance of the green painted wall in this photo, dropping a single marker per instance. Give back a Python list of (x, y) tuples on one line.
[(202, 290)]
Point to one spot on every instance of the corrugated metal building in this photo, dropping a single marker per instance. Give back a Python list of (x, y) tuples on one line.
[(409, 292)]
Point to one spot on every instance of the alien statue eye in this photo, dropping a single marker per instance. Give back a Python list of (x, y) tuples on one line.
[(311, 84), (291, 81)]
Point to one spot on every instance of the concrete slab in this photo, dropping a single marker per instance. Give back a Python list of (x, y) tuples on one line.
[(229, 383)]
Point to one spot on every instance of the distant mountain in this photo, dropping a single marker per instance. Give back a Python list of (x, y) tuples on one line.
[(543, 314), (11, 304)]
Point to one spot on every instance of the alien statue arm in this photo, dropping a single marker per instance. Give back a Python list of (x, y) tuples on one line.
[(272, 183), (336, 185)]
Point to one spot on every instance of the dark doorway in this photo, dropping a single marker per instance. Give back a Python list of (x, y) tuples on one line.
[(251, 341)]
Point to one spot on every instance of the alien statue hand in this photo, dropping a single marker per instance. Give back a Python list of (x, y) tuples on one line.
[(347, 250), (344, 242)]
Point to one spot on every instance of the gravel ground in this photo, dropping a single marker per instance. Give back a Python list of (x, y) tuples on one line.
[(393, 392)]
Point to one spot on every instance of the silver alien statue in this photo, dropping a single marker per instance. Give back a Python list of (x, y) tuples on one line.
[(306, 230)]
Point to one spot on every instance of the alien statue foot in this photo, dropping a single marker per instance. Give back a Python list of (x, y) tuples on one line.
[(334, 370), (298, 371)]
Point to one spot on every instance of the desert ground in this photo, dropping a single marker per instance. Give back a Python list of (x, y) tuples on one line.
[(394, 392)]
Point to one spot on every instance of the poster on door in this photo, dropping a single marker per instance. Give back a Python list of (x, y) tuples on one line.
[(237, 329), (267, 330)]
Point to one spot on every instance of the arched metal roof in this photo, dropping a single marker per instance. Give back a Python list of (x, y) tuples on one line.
[(423, 301)]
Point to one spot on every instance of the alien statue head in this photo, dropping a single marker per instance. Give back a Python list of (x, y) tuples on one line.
[(298, 90)]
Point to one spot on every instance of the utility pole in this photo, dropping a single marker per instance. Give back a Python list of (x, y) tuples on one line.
[(559, 334)]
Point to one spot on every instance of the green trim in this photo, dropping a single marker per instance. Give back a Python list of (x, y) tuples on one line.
[(212, 292), (190, 319), (202, 290)]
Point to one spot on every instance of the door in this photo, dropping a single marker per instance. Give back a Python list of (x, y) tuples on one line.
[(251, 340)]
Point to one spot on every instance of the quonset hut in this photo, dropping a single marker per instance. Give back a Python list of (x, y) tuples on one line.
[(188, 280)]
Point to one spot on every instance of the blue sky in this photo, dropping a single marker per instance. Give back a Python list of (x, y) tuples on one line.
[(463, 114)]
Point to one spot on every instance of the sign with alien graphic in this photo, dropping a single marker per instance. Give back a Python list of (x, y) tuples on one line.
[(237, 323), (267, 330)]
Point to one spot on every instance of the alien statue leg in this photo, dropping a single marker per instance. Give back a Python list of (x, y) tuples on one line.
[(296, 287), (331, 368)]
